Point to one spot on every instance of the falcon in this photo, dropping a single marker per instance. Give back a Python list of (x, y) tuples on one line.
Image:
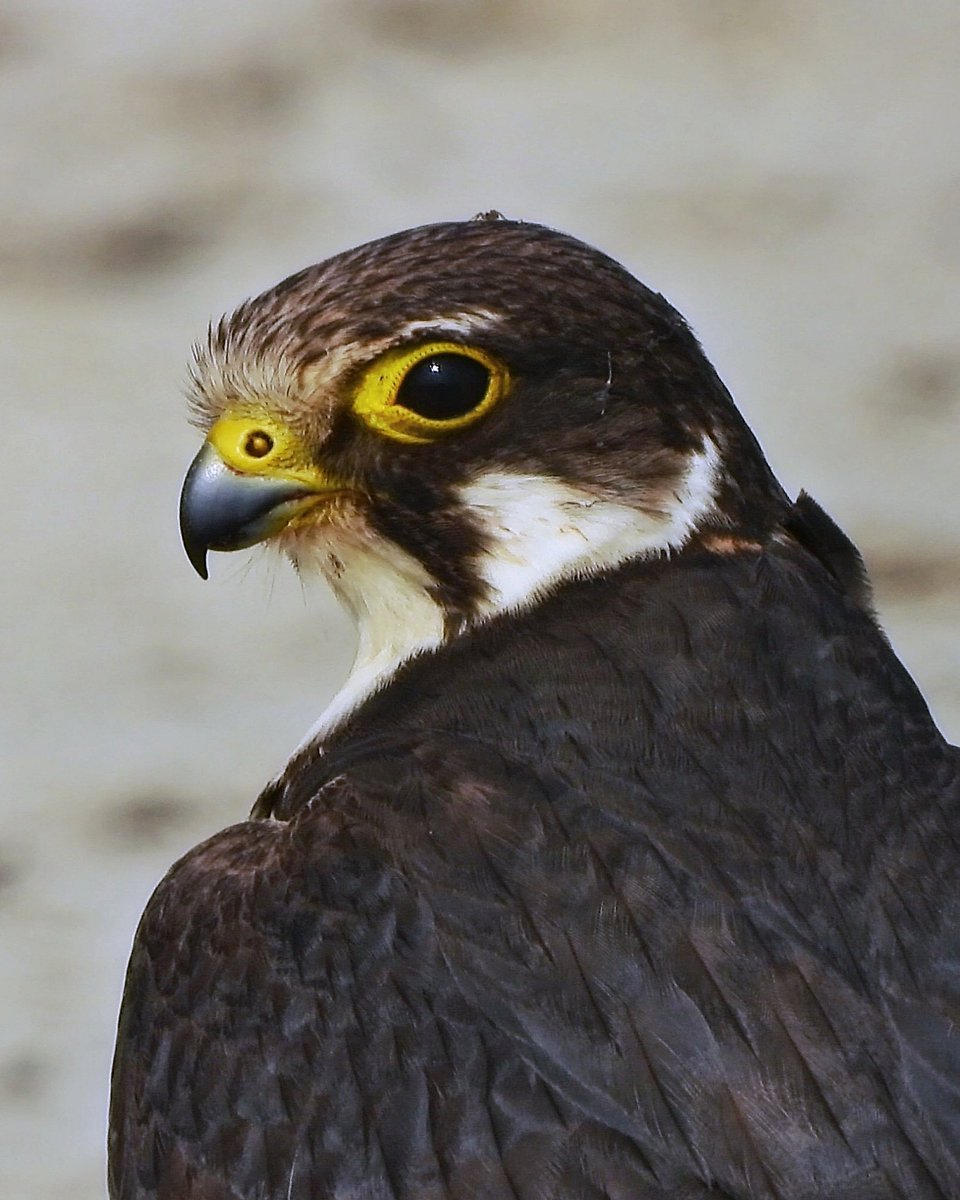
[(624, 866)]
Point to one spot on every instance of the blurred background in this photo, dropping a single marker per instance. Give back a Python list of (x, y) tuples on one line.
[(787, 173)]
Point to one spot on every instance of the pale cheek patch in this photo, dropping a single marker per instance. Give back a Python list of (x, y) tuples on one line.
[(541, 531)]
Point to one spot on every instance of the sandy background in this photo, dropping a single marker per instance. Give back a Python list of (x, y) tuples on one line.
[(788, 173)]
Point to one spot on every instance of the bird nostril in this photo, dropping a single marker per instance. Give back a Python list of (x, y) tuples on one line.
[(258, 444)]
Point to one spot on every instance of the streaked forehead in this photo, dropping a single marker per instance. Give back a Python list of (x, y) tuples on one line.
[(458, 279), (228, 373)]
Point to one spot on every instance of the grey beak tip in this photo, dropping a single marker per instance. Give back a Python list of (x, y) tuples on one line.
[(193, 543), (195, 548), (198, 560)]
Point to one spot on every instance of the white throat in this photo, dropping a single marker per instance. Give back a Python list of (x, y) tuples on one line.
[(388, 593), (539, 532)]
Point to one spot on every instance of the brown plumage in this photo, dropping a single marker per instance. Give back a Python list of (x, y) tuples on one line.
[(627, 864)]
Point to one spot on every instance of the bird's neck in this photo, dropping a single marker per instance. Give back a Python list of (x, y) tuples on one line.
[(538, 534), (664, 684)]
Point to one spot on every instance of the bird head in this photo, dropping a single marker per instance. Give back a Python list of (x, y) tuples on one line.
[(448, 422)]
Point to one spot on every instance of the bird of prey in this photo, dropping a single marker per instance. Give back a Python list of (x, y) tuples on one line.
[(625, 865)]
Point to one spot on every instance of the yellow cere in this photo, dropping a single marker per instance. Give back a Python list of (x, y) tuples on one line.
[(375, 401), (257, 444)]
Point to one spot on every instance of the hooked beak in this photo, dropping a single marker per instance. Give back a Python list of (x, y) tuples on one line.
[(247, 483)]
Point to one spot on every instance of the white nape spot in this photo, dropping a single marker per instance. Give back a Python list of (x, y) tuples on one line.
[(542, 531), (387, 591), (463, 323)]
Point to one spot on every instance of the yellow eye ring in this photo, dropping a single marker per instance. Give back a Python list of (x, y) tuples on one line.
[(461, 381)]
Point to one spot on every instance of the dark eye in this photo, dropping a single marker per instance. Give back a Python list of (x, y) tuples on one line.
[(444, 386)]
